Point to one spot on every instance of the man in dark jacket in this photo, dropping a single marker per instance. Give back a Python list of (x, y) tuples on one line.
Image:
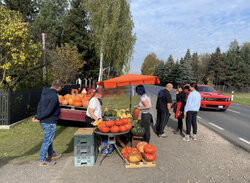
[(48, 111), (163, 106)]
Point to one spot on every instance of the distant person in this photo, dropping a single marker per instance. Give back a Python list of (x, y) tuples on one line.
[(180, 104), (191, 110), (146, 111), (48, 112), (163, 107)]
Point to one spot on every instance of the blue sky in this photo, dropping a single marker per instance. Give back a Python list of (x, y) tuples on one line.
[(172, 26)]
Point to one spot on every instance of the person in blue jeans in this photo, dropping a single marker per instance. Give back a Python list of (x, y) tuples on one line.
[(48, 112)]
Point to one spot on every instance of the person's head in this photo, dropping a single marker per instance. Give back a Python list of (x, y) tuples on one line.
[(57, 84), (187, 87), (140, 90), (169, 86), (99, 92), (193, 86), (180, 88)]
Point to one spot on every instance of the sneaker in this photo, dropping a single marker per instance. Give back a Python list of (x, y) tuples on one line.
[(54, 156), (163, 135), (186, 139), (47, 163), (194, 137)]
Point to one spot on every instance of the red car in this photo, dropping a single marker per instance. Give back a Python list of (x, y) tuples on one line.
[(212, 99)]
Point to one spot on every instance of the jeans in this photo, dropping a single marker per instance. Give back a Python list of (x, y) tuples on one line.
[(49, 134), (191, 121), (161, 122), (146, 119)]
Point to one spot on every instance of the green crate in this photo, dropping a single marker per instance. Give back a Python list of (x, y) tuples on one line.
[(84, 161), (85, 140)]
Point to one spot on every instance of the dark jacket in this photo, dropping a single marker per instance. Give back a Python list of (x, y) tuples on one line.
[(48, 109), (163, 99), (181, 97)]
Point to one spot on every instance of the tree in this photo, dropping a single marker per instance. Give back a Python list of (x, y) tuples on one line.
[(169, 67), (216, 68), (49, 21), (195, 66), (19, 55), (160, 73), (185, 74), (66, 64), (150, 64), (76, 33), (111, 26), (28, 8)]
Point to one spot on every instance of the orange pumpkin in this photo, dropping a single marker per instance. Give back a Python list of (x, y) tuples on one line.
[(67, 96), (134, 157), (78, 98), (140, 146), (136, 113), (65, 102), (71, 101), (77, 103)]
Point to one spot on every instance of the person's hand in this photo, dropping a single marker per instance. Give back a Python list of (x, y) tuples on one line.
[(185, 114), (34, 120)]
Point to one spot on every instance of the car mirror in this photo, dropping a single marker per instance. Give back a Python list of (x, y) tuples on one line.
[(217, 91)]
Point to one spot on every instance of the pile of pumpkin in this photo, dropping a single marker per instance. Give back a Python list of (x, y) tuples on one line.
[(143, 149), (121, 125), (78, 100)]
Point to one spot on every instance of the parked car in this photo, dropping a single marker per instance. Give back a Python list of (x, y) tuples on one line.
[(212, 99)]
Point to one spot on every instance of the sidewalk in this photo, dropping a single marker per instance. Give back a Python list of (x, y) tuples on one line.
[(209, 159)]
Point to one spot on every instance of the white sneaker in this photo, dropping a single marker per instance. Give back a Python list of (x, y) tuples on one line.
[(163, 135), (186, 139), (194, 137)]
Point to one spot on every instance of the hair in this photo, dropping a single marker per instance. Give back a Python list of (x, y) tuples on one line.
[(181, 86), (57, 83), (194, 85), (187, 87), (169, 85), (140, 90)]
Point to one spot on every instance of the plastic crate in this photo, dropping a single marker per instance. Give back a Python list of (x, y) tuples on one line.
[(85, 140), (83, 150), (85, 161)]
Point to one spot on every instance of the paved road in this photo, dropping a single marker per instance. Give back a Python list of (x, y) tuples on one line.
[(233, 124)]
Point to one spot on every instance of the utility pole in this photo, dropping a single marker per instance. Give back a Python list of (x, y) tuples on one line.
[(44, 58)]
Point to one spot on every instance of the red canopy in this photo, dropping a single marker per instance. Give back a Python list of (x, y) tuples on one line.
[(133, 79)]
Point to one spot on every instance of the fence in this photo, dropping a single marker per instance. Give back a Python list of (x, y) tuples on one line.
[(223, 88), (15, 106)]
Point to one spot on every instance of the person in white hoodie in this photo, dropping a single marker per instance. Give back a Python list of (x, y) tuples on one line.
[(191, 110)]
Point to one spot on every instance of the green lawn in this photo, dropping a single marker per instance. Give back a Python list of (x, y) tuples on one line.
[(22, 143), (240, 98)]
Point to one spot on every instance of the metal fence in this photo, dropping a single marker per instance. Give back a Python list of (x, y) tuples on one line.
[(18, 105), (223, 88)]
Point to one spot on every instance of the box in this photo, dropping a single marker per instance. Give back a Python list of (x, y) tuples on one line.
[(84, 161)]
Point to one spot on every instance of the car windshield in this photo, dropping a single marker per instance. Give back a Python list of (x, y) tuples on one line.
[(205, 89)]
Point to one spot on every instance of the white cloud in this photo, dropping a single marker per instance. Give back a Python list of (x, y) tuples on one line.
[(171, 27)]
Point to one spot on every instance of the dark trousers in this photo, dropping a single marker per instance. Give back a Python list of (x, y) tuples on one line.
[(180, 123), (161, 122), (191, 120), (146, 119)]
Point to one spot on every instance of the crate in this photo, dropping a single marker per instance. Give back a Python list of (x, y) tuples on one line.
[(136, 140), (140, 164), (85, 137), (84, 161)]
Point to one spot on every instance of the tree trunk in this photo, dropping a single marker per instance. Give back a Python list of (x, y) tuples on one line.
[(101, 69)]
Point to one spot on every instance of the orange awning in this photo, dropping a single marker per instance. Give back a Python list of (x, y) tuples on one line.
[(133, 79)]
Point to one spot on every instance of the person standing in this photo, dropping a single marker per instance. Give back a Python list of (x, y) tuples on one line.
[(181, 102), (48, 112), (191, 110), (146, 111), (163, 107)]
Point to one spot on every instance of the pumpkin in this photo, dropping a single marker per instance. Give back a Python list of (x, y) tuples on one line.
[(118, 122), (85, 103), (101, 124), (67, 96), (110, 123), (78, 98), (149, 156), (134, 157), (140, 146), (86, 98), (114, 129), (125, 120), (136, 113), (65, 102), (149, 148), (138, 131), (122, 128), (104, 129), (77, 103), (71, 101), (128, 126)]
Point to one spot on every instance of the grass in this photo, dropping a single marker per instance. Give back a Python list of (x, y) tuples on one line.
[(22, 143), (240, 98)]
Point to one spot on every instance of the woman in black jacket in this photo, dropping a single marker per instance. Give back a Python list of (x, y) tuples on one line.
[(181, 102)]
